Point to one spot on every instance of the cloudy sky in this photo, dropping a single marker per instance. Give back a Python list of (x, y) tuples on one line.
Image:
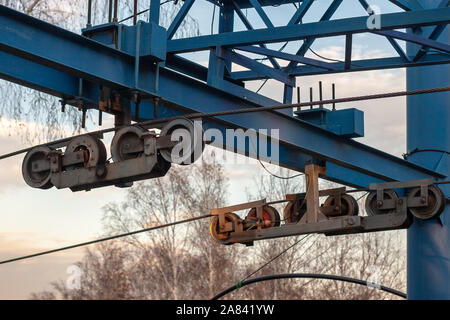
[(34, 220)]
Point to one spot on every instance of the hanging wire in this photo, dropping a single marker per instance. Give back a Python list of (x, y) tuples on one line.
[(273, 259), (143, 11), (106, 239), (310, 275), (145, 124)]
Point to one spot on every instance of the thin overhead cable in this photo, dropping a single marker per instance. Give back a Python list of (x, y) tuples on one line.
[(142, 12), (277, 176), (271, 260), (148, 123), (106, 239)]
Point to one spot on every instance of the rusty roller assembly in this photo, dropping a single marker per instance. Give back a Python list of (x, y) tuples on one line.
[(221, 232), (270, 218), (341, 205), (295, 210), (339, 214)]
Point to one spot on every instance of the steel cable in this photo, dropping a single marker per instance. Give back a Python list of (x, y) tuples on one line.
[(106, 239), (239, 111)]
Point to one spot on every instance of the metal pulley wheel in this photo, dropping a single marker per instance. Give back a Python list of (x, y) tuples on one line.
[(190, 136), (373, 206), (127, 143), (349, 206), (294, 210), (94, 151), (436, 203), (36, 168), (271, 217), (214, 227)]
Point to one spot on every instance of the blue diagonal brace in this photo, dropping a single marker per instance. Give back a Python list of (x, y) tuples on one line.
[(392, 41), (358, 65), (415, 39), (407, 5), (257, 67), (321, 29), (435, 34), (309, 41), (249, 26), (301, 11), (288, 57), (179, 18), (262, 13)]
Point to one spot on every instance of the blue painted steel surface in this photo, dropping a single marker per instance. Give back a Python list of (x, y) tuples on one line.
[(347, 123), (428, 119), (103, 65), (310, 30), (357, 65), (152, 41)]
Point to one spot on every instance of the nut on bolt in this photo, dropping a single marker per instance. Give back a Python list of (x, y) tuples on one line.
[(350, 221)]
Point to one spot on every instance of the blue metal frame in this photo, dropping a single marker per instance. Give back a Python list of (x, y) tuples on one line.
[(100, 64), (314, 30)]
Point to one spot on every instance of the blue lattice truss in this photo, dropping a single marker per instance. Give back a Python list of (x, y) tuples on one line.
[(144, 60)]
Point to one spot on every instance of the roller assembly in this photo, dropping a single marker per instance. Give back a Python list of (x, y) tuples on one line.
[(338, 214), (136, 154)]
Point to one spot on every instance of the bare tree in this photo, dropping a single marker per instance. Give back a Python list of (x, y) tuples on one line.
[(35, 115), (181, 262)]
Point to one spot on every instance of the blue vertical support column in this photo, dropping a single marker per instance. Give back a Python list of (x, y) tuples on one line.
[(428, 118), (217, 66), (154, 11)]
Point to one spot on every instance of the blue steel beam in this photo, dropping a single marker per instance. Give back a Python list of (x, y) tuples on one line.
[(358, 65), (155, 7), (348, 51), (311, 30), (288, 57), (100, 64), (392, 41), (310, 40), (434, 35), (437, 31), (265, 3), (407, 5), (301, 11), (256, 66), (262, 14), (415, 39), (179, 18), (65, 86), (249, 26)]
